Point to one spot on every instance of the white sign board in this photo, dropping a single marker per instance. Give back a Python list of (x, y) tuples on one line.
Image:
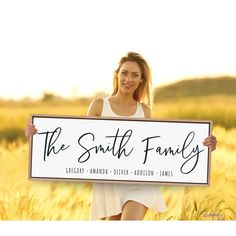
[(106, 149)]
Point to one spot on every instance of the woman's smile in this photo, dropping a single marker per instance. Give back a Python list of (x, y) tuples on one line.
[(128, 85)]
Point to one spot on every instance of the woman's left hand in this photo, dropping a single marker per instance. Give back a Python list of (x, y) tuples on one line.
[(210, 142)]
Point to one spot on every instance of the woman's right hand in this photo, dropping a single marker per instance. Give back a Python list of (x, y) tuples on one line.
[(30, 130)]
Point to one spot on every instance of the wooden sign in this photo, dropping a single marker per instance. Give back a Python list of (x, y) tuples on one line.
[(120, 150)]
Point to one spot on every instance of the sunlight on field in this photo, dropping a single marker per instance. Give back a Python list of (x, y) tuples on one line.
[(220, 109), (24, 199), (44, 200)]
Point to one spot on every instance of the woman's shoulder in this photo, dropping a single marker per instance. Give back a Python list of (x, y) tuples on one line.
[(147, 110), (97, 101), (95, 107)]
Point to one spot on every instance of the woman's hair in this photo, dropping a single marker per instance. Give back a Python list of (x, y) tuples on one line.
[(143, 92)]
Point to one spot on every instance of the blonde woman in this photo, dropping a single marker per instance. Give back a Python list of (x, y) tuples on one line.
[(131, 97)]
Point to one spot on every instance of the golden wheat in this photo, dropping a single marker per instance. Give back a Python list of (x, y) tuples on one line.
[(24, 199), (37, 200)]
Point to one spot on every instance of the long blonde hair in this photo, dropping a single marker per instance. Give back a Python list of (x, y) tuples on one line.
[(143, 92)]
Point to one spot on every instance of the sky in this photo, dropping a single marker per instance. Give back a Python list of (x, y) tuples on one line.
[(71, 48)]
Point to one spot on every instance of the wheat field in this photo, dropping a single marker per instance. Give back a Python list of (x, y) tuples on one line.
[(21, 199)]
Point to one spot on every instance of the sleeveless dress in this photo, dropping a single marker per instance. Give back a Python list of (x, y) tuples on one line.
[(108, 199)]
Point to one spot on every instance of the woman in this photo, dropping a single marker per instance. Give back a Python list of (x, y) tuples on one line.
[(131, 97)]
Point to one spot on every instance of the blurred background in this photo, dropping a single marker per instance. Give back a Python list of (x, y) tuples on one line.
[(57, 56)]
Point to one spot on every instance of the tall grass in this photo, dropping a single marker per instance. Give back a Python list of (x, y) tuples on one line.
[(24, 199), (45, 200)]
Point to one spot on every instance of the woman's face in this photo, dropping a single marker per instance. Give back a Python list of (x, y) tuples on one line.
[(129, 77)]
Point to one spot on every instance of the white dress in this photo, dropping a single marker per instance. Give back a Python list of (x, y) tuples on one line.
[(109, 198)]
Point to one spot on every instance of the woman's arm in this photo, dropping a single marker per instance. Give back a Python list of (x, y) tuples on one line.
[(95, 108)]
